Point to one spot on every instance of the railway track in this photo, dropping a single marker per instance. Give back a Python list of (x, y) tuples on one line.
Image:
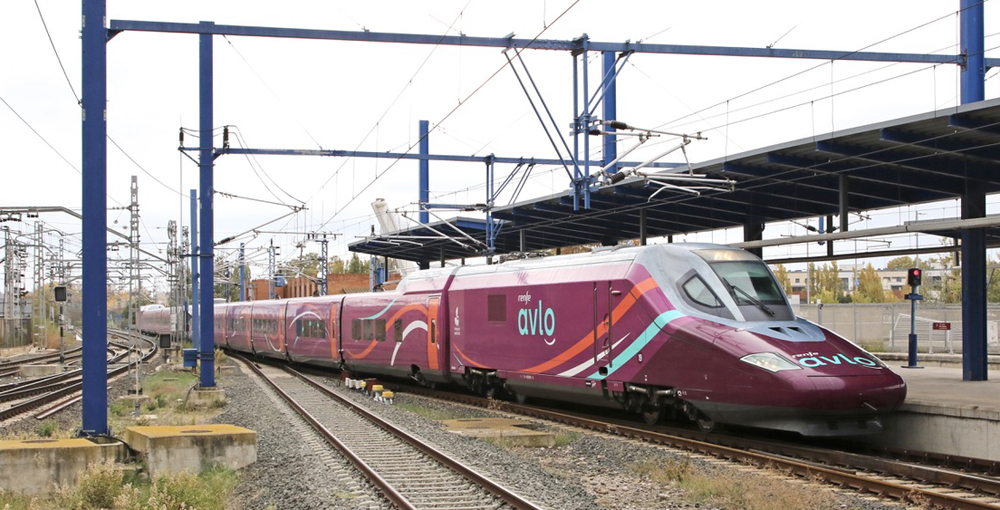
[(32, 394), (8, 368), (971, 487), (408, 472)]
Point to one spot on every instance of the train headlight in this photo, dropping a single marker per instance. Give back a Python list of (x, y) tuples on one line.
[(770, 361)]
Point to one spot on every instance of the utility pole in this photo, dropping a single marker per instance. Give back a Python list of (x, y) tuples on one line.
[(182, 279), (135, 275), (272, 252), (37, 298), (321, 238), (172, 276), (243, 275)]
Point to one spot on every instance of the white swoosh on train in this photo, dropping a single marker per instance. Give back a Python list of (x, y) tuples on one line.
[(413, 325), (590, 362)]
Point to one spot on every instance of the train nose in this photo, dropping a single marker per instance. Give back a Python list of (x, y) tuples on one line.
[(866, 394)]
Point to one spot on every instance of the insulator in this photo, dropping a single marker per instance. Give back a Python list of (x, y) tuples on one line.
[(615, 124), (618, 177)]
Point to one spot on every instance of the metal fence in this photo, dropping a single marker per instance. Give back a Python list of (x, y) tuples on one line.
[(885, 326)]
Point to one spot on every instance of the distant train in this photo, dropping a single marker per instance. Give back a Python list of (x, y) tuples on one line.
[(697, 330)]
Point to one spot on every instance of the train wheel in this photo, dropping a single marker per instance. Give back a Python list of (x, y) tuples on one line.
[(651, 413), (521, 398)]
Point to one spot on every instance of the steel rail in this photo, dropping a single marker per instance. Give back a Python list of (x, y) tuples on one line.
[(496, 489), (41, 400), (387, 490), (45, 357), (798, 467)]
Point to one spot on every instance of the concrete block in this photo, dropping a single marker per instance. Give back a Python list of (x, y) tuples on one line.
[(40, 370), (205, 397), (193, 448), (511, 432), (37, 466)]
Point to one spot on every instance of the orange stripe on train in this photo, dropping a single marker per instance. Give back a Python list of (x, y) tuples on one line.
[(588, 340)]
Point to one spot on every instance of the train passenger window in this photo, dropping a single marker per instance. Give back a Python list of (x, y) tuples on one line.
[(398, 330), (496, 308), (380, 330), (367, 329), (356, 329), (310, 328), (699, 292)]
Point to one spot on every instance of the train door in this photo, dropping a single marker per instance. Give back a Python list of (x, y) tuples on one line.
[(433, 333), (603, 339)]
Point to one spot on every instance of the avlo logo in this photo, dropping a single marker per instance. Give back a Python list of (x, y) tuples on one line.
[(535, 321), (812, 359)]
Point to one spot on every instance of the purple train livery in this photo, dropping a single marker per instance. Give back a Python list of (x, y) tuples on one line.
[(695, 330)]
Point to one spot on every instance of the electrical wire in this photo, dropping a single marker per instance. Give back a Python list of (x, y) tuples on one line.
[(39, 135), (817, 66), (269, 89), (251, 160), (408, 84), (147, 172), (53, 44), (453, 110)]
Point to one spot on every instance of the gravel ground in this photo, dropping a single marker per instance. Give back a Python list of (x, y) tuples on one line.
[(588, 473), (295, 470)]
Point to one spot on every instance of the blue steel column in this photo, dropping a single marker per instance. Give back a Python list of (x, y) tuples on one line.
[(974, 367), (585, 121), (972, 45), (425, 172), (95, 242), (205, 161), (610, 109), (195, 305), (243, 275)]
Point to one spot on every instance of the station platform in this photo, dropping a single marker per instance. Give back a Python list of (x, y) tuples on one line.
[(943, 413)]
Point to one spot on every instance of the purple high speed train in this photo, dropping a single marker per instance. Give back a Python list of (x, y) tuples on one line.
[(696, 330)]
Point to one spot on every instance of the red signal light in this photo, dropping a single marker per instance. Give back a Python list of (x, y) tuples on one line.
[(913, 277)]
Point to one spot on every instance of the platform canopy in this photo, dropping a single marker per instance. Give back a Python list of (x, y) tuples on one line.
[(923, 158)]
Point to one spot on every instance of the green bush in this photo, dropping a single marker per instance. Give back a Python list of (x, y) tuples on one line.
[(46, 428)]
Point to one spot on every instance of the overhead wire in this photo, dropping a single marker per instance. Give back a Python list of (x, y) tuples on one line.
[(804, 71), (251, 159), (455, 108), (53, 44), (269, 89), (408, 84)]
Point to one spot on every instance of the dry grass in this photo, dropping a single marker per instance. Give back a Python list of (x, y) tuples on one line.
[(734, 488)]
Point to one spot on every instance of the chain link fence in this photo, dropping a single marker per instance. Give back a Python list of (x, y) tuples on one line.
[(885, 326)]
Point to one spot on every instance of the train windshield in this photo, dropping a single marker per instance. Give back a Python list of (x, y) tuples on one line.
[(749, 282)]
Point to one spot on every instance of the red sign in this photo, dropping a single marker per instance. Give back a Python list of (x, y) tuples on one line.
[(942, 326)]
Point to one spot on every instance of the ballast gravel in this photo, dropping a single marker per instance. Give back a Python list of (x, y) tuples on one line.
[(590, 472)]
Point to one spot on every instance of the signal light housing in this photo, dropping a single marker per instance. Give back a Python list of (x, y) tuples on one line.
[(913, 276)]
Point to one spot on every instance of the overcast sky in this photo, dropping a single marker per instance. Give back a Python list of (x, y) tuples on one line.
[(299, 94)]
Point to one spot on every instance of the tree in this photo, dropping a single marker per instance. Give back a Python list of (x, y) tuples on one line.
[(829, 285), (337, 265), (358, 266), (907, 262), (869, 287), (782, 275), (307, 264)]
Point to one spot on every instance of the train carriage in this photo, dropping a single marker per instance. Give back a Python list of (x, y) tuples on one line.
[(401, 333), (311, 330), (691, 329)]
